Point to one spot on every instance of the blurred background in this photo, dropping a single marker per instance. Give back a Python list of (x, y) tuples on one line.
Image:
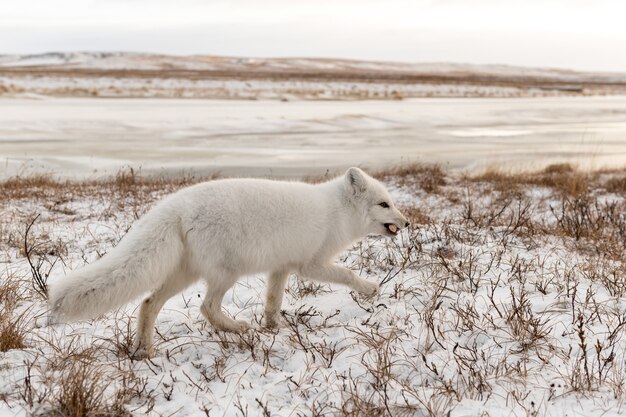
[(281, 88)]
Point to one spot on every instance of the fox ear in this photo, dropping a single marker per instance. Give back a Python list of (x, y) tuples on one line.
[(355, 180)]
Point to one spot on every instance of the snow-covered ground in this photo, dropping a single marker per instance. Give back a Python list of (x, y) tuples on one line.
[(89, 137), (505, 297)]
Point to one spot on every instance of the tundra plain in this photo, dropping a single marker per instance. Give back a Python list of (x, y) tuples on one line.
[(505, 296)]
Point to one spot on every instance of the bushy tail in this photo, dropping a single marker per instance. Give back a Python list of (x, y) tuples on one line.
[(143, 260)]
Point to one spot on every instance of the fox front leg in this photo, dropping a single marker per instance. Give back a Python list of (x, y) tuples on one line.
[(274, 298)]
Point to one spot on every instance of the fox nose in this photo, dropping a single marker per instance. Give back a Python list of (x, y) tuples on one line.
[(407, 224)]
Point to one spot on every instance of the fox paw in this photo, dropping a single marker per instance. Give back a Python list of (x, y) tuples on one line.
[(275, 321), (234, 326), (369, 289), (242, 326), (140, 353)]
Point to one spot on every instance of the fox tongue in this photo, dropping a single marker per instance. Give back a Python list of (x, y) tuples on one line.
[(393, 228)]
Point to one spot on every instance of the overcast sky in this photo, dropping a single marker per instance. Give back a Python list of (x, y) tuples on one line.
[(586, 35)]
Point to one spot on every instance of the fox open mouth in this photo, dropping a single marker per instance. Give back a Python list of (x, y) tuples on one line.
[(392, 228)]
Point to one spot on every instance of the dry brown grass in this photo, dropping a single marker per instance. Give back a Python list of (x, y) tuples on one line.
[(597, 225), (564, 179), (126, 182), (581, 213), (316, 179), (78, 381), (617, 184), (559, 169), (13, 325), (429, 177), (415, 214), (81, 391), (13, 331), (17, 188)]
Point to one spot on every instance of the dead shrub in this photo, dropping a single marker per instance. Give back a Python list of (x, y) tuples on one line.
[(9, 291), (585, 217), (415, 215), (525, 327), (20, 187), (496, 176), (81, 392), (429, 177), (13, 328), (558, 168), (301, 289), (70, 379), (609, 274), (564, 179), (40, 266), (616, 185), (127, 182), (76, 385), (567, 183), (317, 179)]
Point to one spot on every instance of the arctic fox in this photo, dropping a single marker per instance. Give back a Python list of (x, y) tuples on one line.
[(221, 230)]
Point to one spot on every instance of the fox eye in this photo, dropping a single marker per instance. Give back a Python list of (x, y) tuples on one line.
[(384, 205)]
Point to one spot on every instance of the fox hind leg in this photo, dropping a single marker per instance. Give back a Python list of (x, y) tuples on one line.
[(212, 308), (150, 309)]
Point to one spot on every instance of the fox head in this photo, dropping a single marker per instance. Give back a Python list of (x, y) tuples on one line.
[(374, 205)]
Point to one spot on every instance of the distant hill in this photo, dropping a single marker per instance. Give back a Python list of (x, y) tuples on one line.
[(119, 74)]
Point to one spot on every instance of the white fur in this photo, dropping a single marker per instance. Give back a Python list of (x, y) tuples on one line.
[(222, 230)]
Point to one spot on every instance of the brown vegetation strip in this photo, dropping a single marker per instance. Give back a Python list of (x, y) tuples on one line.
[(372, 76), (563, 178)]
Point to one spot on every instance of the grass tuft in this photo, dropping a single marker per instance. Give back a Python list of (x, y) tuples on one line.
[(429, 177), (13, 325)]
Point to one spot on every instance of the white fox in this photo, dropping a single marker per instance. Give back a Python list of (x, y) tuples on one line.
[(221, 230)]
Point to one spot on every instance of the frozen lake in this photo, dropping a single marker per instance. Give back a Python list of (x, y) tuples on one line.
[(91, 136)]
